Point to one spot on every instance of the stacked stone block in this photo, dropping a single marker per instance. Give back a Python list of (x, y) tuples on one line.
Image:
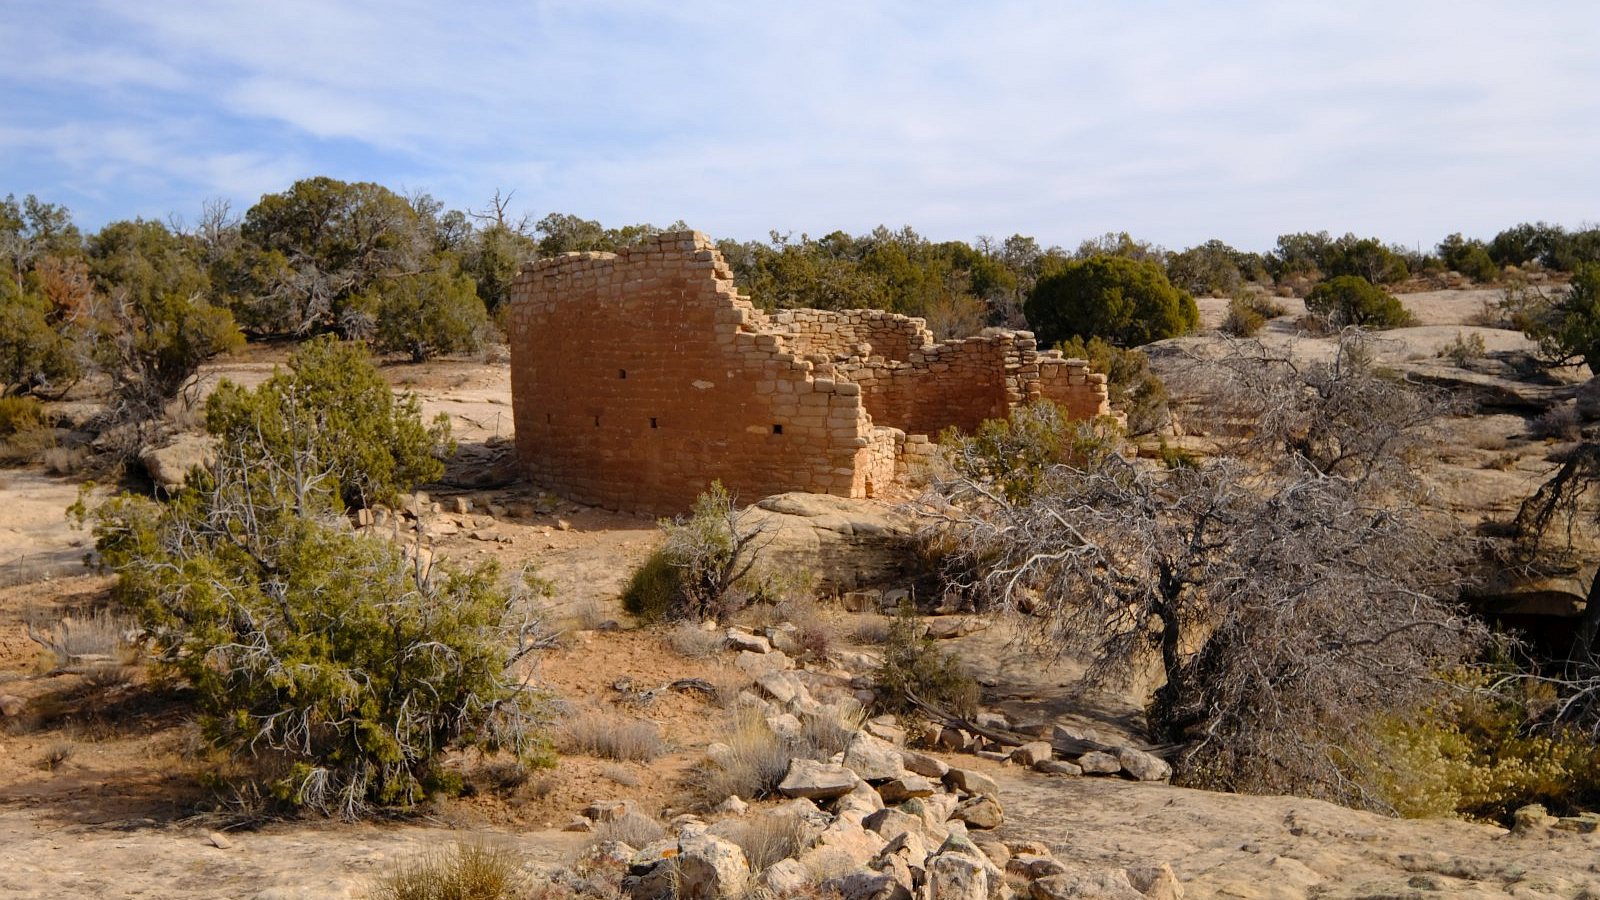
[(639, 377)]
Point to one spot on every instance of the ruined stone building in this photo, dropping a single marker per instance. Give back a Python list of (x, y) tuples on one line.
[(640, 377)]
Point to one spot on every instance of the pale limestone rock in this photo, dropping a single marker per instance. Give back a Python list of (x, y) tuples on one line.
[(1156, 882), (1057, 767), (1096, 763), (908, 785), (710, 868), (1032, 753), (1143, 766), (1112, 885), (970, 781), (924, 764), (982, 811), (746, 642), (817, 781), (874, 759)]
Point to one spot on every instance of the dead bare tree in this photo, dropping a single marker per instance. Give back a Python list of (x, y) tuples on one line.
[(1287, 606)]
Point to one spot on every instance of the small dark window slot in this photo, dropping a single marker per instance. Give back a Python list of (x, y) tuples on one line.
[(652, 421), (597, 421), (549, 419), (777, 429), (622, 373)]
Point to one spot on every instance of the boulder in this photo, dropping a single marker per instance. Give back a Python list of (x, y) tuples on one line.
[(746, 642), (784, 687), (1033, 753), (860, 601), (953, 739), (608, 810), (994, 849), (972, 782), (862, 801), (1096, 763), (908, 785), (891, 823), (982, 811), (1112, 885), (604, 856), (1030, 867), (846, 543), (169, 466), (1143, 766), (12, 706), (1156, 882), (874, 759), (758, 664), (1057, 767), (816, 780), (710, 868), (923, 764), (786, 876), (888, 731), (786, 726), (954, 876)]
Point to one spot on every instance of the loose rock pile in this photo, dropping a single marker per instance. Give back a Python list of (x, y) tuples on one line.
[(876, 821)]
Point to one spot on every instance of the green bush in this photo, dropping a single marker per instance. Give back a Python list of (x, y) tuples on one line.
[(427, 314), (1567, 327), (333, 414), (20, 414), (705, 567), (1243, 320), (1124, 301), (1483, 755), (653, 591), (340, 660), (914, 667), (1014, 454), (1353, 300)]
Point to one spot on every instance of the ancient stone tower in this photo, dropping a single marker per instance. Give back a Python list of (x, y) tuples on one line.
[(640, 377)]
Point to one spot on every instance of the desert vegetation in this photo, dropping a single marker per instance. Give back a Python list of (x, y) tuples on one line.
[(1254, 552)]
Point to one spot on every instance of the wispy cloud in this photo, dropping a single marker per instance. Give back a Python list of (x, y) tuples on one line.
[(1176, 121)]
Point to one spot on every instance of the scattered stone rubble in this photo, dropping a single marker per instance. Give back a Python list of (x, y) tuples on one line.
[(879, 820)]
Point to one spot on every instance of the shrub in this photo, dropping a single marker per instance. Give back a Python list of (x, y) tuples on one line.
[(346, 662), (1353, 300), (632, 828), (427, 314), (1131, 385), (1567, 328), (703, 569), (1464, 348), (1242, 320), (914, 668), (1561, 423), (333, 415), (1124, 301), (1483, 755), (654, 589), (469, 871), (689, 639), (20, 414), (610, 736), (754, 765), (771, 838)]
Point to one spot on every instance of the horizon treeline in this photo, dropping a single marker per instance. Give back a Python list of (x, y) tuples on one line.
[(406, 275)]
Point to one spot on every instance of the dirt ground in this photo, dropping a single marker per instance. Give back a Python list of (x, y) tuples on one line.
[(100, 794)]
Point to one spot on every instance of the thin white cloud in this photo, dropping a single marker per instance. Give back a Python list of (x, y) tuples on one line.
[(1180, 121)]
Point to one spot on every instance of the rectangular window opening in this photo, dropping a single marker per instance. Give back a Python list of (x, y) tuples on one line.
[(777, 429), (652, 421), (597, 421), (622, 373)]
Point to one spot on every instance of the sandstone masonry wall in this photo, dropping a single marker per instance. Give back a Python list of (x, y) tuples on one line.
[(640, 377)]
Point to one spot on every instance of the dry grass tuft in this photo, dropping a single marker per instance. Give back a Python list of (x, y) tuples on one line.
[(755, 763), (610, 736), (468, 872), (632, 828), (690, 640), (771, 838)]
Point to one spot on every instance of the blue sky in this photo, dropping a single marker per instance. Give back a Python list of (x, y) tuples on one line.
[(1175, 121)]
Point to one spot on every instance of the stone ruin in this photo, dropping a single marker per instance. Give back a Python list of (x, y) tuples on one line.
[(639, 377)]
